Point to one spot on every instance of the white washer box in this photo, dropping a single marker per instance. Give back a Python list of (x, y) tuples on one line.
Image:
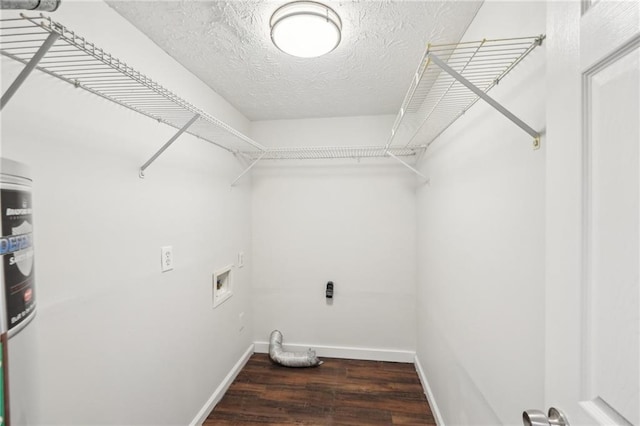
[(222, 285)]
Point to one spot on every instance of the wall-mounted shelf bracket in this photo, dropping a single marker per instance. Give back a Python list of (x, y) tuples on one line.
[(30, 66), (248, 168), (488, 99), (167, 145), (407, 165)]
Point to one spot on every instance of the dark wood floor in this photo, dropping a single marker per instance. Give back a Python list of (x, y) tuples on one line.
[(339, 392)]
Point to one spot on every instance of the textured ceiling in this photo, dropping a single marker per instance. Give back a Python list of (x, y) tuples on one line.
[(227, 45)]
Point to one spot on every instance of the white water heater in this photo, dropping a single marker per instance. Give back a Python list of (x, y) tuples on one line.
[(17, 293)]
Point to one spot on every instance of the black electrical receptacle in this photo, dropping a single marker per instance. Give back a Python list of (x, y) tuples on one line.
[(329, 292)]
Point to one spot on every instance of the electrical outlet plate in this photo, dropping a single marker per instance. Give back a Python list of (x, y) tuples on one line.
[(240, 259), (166, 258)]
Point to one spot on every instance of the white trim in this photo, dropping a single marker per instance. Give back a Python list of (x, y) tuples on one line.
[(221, 389), (427, 391), (603, 413), (346, 352)]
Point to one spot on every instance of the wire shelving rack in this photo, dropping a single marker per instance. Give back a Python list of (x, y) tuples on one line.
[(449, 80)]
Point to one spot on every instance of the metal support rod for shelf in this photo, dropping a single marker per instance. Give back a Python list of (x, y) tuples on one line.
[(30, 66), (407, 165), (248, 168), (439, 62), (166, 145)]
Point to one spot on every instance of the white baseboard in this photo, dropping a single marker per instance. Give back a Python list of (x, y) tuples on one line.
[(220, 390), (427, 391), (345, 352)]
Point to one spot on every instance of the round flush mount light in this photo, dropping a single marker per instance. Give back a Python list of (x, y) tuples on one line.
[(306, 29)]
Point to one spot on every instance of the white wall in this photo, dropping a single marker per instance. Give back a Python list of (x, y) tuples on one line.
[(481, 244), (349, 222), (117, 341)]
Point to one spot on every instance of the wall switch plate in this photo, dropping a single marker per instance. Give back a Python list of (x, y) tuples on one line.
[(240, 259), (166, 258)]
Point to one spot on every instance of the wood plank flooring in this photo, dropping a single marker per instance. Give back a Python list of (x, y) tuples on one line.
[(339, 392)]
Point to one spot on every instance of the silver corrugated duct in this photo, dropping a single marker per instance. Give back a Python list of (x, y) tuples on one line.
[(45, 5), (290, 359)]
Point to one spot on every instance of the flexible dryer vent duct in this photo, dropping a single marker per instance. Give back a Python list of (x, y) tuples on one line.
[(290, 359), (45, 5)]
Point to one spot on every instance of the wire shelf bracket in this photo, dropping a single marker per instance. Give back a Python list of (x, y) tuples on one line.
[(29, 67), (408, 166), (488, 99), (249, 168), (167, 145)]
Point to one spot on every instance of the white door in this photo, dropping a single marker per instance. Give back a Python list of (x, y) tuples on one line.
[(593, 212)]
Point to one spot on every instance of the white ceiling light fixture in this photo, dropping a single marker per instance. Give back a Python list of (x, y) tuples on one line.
[(306, 29)]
